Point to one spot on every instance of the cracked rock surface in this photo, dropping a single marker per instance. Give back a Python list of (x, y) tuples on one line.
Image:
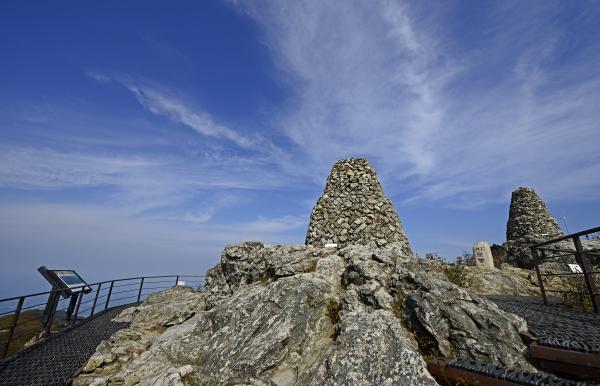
[(303, 315)]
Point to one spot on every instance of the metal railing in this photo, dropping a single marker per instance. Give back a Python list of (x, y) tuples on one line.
[(99, 297), (543, 252)]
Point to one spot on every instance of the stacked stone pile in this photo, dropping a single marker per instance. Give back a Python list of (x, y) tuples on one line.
[(354, 210), (529, 217), (529, 222)]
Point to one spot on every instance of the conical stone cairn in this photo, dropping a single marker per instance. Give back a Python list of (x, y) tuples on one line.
[(529, 217), (354, 210), (529, 222)]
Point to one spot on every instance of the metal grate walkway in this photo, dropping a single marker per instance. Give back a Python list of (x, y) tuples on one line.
[(556, 325), (54, 360)]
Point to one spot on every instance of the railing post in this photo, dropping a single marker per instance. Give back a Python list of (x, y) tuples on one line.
[(176, 280), (74, 319), (13, 325), (112, 283), (95, 299), (52, 313), (140, 291), (587, 273), (536, 262)]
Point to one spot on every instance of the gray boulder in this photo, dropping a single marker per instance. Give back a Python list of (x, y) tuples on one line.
[(450, 321)]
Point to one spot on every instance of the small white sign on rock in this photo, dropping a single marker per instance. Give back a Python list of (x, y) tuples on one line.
[(180, 282), (575, 268), (330, 245)]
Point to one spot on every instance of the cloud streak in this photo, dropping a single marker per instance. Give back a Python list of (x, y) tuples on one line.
[(161, 101), (444, 116), (140, 182)]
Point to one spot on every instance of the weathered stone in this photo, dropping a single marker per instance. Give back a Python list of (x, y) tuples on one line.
[(159, 312), (452, 322), (368, 215), (482, 254), (329, 317)]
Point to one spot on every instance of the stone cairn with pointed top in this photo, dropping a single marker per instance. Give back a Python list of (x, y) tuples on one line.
[(529, 222), (354, 210)]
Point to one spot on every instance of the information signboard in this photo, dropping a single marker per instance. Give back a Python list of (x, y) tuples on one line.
[(575, 268), (70, 278), (68, 283), (66, 279)]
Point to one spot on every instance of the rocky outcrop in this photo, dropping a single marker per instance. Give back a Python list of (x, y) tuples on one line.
[(458, 323), (251, 262), (506, 280), (354, 210), (151, 321), (529, 222), (366, 313), (300, 315)]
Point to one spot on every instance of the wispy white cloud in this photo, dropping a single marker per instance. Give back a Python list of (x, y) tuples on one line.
[(365, 81), (140, 182), (174, 105), (442, 117)]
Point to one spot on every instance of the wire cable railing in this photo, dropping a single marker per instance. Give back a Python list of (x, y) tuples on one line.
[(90, 299)]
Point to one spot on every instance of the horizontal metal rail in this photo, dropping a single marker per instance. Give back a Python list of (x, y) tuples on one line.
[(93, 284), (567, 237), (567, 361), (581, 256), (72, 307)]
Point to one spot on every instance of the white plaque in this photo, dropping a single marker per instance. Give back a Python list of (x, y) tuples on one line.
[(330, 245), (575, 268)]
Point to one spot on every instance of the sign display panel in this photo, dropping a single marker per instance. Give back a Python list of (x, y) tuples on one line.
[(575, 268), (66, 279), (70, 278)]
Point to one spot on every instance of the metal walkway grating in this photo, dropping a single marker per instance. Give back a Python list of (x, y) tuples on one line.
[(555, 325), (54, 360)]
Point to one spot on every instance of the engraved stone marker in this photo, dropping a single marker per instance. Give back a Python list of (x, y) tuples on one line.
[(483, 255)]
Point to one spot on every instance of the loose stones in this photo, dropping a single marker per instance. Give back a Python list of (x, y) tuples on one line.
[(354, 210)]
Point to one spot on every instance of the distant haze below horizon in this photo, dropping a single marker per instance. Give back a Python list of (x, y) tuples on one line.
[(140, 138)]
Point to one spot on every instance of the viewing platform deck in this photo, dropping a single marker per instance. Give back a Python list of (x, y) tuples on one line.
[(54, 360)]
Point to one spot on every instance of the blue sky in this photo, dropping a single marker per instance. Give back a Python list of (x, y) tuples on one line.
[(141, 137)]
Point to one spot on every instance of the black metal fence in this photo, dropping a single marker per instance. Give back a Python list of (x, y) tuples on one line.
[(567, 249), (28, 317)]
